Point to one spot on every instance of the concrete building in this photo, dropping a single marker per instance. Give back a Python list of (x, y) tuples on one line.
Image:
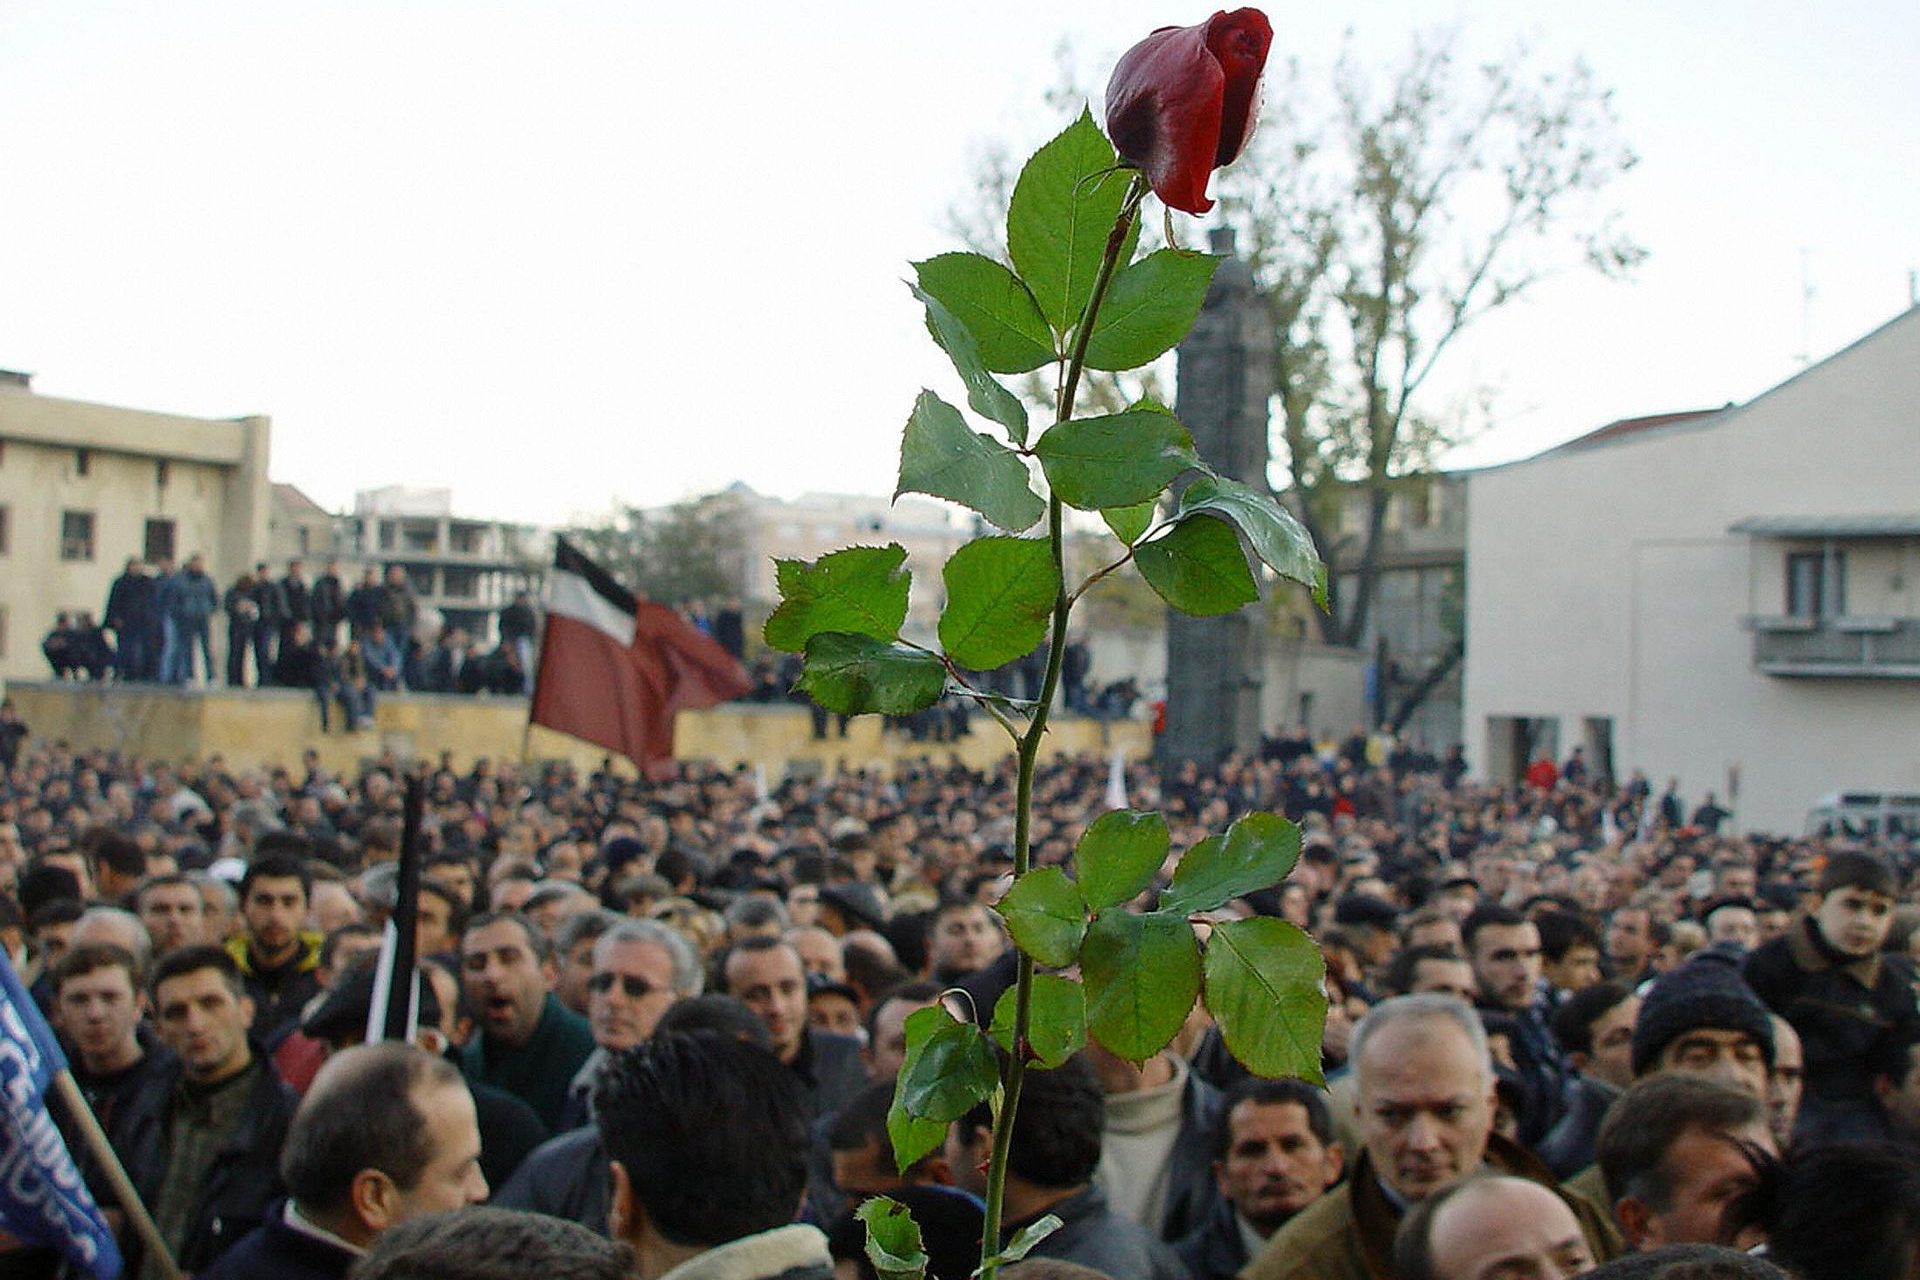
[(463, 569), (84, 486), (1729, 598), (1413, 638)]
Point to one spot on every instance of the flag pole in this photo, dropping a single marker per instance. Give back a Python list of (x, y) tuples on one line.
[(394, 1011), (116, 1175)]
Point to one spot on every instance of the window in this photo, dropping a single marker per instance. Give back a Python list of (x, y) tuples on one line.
[(82, 462), (1811, 593), (159, 541), (76, 535), (3, 631), (5, 516), (162, 472)]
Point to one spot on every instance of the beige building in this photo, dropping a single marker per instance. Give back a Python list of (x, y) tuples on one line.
[(1729, 598), (85, 486), (464, 569)]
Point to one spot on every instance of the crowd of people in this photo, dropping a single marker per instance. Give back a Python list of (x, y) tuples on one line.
[(345, 643), (1570, 1031)]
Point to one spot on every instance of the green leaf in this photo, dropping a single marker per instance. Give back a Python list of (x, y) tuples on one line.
[(1142, 975), (894, 1246), (1115, 461), (1046, 915), (913, 1139), (1118, 856), (1128, 523), (1060, 217), (994, 305), (1149, 306), (854, 674), (1024, 1240), (1277, 537), (941, 457), (949, 1067), (1264, 990), (1198, 568), (1000, 598), (1056, 1020), (987, 397), (1257, 853), (859, 590)]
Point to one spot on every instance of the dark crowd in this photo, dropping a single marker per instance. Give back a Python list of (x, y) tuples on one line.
[(345, 641), (1575, 1027)]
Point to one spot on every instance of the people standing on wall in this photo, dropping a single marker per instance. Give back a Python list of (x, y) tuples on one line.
[(298, 595), (363, 603), (329, 604), (243, 617), (399, 607), (131, 616), (164, 586), (191, 605), (268, 627), (517, 625)]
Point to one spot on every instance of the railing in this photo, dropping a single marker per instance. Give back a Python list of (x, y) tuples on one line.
[(1872, 647)]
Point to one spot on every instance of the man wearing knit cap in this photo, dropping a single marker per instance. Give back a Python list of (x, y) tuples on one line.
[(1704, 1019)]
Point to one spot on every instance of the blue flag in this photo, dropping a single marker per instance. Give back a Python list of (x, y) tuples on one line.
[(42, 1197)]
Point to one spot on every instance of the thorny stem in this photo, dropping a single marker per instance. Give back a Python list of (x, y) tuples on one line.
[(1029, 752)]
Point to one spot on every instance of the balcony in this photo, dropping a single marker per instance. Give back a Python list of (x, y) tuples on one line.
[(1848, 647)]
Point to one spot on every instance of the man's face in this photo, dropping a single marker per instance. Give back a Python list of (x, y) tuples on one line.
[(1785, 1080), (175, 915), (1612, 1035), (1707, 1171), (1578, 967), (99, 1012), (1447, 977), (452, 1177), (866, 1171), (1424, 1106), (1275, 1165), (456, 877), (1855, 921), (630, 988), (771, 983), (1629, 935), (1737, 925), (964, 941), (1508, 1229), (888, 1052), (204, 1023), (832, 1011), (1732, 1057), (819, 953), (274, 909), (1506, 962), (506, 983), (1736, 882), (433, 925)]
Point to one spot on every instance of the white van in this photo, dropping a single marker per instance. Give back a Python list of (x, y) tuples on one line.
[(1865, 815)]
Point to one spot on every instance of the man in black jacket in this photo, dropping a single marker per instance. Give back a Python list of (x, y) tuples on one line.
[(202, 1142), (132, 614), (329, 604)]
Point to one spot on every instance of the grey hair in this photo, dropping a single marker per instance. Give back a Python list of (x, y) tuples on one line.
[(1428, 1006), (581, 925), (136, 928), (688, 978)]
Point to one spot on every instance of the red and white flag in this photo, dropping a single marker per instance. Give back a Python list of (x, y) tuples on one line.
[(614, 668)]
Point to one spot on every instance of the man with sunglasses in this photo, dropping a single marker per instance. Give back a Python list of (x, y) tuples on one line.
[(641, 968)]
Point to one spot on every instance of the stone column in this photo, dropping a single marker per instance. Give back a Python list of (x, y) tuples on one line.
[(1225, 384)]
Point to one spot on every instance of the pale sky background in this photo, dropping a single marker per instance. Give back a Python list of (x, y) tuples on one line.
[(549, 254)]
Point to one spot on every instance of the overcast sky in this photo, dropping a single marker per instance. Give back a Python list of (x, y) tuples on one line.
[(550, 254)]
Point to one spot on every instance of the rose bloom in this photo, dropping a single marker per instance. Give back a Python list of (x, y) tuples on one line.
[(1182, 102)]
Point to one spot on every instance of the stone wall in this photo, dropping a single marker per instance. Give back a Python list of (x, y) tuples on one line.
[(274, 726)]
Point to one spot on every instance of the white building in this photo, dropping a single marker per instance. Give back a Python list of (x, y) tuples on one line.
[(1728, 598)]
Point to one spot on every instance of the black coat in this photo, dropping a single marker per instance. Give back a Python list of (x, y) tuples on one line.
[(244, 1182), (1214, 1250), (275, 1251)]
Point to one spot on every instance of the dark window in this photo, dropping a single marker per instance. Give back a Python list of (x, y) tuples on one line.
[(82, 461), (1816, 584), (76, 535), (162, 472), (5, 541), (159, 540)]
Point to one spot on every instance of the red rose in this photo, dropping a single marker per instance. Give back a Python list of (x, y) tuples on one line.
[(1181, 102)]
